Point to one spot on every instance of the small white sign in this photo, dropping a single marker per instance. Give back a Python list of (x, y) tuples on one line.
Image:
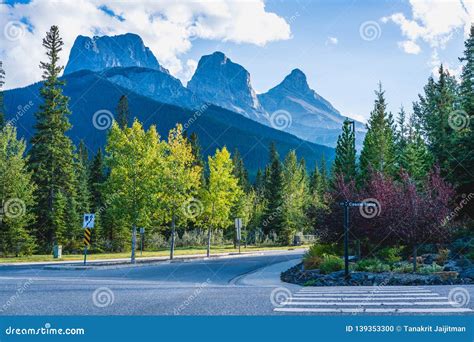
[(142, 230), (88, 221)]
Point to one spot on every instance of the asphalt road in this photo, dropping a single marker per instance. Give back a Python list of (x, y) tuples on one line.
[(247, 285)]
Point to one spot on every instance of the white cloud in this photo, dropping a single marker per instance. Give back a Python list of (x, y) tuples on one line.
[(410, 47), (332, 41), (168, 27), (435, 62), (433, 22), (189, 69)]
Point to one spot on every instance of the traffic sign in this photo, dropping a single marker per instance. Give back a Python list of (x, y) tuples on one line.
[(142, 230), (238, 223), (88, 221), (238, 228), (87, 236)]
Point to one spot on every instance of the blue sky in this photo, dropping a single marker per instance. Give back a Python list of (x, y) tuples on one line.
[(346, 73), (322, 38)]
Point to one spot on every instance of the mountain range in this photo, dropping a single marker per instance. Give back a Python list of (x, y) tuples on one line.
[(218, 103)]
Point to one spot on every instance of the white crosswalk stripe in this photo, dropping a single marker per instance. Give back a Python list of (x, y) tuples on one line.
[(411, 299)]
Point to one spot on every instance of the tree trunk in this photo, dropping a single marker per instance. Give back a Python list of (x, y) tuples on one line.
[(173, 232), (134, 243), (414, 258)]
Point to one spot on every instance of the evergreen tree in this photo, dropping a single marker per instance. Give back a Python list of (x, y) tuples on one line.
[(467, 75), (378, 152), (123, 112), (82, 173), (324, 179), (240, 171), (97, 177), (260, 182), (401, 131), (16, 196), (2, 104), (314, 183), (198, 158), (345, 162), (51, 154), (272, 218), (434, 110), (465, 139), (413, 156)]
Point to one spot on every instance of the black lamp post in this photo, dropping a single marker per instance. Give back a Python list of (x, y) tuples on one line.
[(347, 205)]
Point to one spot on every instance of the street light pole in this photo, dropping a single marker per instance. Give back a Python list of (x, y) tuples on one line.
[(347, 204), (346, 242)]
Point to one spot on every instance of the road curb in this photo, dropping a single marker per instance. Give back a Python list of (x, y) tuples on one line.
[(179, 259)]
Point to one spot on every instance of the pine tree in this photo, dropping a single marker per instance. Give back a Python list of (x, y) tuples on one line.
[(51, 154), (198, 158), (465, 139), (324, 179), (433, 110), (2, 104), (272, 218), (97, 177), (402, 130), (345, 161), (82, 172), (240, 171), (260, 182), (467, 75), (123, 112), (378, 152), (413, 156), (16, 196)]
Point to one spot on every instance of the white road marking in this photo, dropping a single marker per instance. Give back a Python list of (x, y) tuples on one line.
[(366, 303), (386, 300), (295, 298), (364, 294), (369, 310)]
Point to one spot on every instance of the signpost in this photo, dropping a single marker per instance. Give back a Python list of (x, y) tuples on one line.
[(87, 224), (347, 205), (142, 234), (238, 228)]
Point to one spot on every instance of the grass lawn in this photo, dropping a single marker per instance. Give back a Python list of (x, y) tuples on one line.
[(159, 253)]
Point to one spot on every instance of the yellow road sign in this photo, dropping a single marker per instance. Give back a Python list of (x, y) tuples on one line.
[(87, 236)]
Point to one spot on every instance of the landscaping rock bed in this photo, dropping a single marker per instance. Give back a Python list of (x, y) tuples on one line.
[(449, 276)]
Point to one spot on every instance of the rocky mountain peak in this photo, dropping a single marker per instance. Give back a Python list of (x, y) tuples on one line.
[(99, 53)]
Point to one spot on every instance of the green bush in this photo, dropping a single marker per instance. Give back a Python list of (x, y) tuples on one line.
[(406, 267), (403, 267), (314, 256), (390, 255), (428, 269), (371, 265), (331, 263)]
